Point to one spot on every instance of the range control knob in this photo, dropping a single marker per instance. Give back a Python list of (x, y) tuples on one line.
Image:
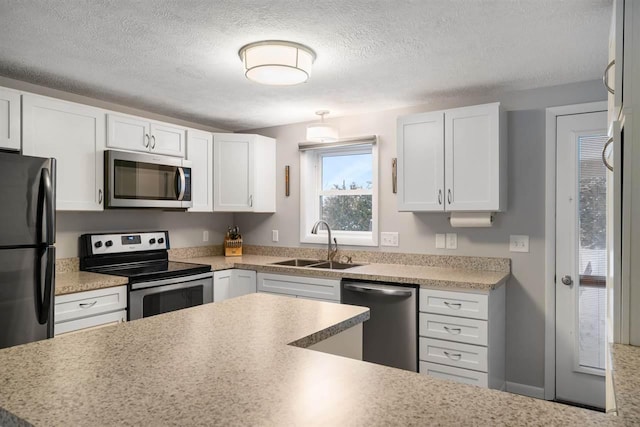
[(152, 241), (98, 244), (161, 240), (108, 243)]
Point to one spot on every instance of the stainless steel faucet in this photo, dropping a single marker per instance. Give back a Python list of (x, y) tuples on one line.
[(331, 252)]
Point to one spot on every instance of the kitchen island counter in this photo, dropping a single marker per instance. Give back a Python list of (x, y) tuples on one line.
[(229, 363)]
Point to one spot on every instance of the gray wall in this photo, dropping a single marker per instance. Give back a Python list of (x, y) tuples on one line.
[(185, 228), (525, 213)]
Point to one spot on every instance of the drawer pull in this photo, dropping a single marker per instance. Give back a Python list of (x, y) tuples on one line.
[(453, 356), (453, 331), (87, 304), (453, 305)]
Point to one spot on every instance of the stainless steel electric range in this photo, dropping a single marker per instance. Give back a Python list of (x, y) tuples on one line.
[(156, 285)]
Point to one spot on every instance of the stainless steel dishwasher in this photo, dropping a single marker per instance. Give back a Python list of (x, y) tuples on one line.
[(390, 335)]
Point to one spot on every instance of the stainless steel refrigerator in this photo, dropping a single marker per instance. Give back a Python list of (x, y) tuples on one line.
[(27, 254)]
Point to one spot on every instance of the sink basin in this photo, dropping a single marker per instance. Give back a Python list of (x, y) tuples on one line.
[(298, 262), (316, 263), (333, 265)]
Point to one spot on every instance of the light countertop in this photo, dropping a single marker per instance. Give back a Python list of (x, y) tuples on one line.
[(228, 363), (80, 281), (626, 381)]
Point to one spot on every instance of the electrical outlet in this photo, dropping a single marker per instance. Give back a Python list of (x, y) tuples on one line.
[(274, 235), (205, 236), (518, 243), (389, 239), (440, 241), (452, 241)]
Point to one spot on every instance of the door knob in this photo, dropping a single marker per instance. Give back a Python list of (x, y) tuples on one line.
[(567, 280)]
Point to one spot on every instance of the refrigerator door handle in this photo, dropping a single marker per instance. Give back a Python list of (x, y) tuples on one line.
[(48, 206), (45, 306)]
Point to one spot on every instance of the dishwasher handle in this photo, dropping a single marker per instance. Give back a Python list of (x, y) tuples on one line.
[(378, 291)]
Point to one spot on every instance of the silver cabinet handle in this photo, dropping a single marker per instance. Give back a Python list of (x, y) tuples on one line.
[(153, 143), (251, 200), (100, 196), (394, 175), (453, 356), (440, 196), (605, 77), (379, 291), (453, 305), (604, 157), (449, 196), (146, 140), (87, 304), (453, 331)]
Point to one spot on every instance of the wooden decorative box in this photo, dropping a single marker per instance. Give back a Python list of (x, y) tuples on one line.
[(232, 247)]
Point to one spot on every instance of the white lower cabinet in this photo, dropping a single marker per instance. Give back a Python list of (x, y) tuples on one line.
[(312, 288), (233, 283), (91, 309), (462, 336)]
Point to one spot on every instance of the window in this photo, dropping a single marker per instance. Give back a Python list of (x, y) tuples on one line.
[(339, 184)]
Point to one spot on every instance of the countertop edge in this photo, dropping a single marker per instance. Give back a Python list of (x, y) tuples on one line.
[(323, 334)]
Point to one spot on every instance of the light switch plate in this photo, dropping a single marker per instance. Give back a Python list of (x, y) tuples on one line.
[(518, 243), (440, 241), (452, 240), (274, 235), (205, 236), (389, 239)]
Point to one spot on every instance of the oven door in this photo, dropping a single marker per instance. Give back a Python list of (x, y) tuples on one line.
[(136, 180), (162, 296)]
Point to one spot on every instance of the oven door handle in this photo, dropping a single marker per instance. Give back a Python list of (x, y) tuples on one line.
[(174, 280), (181, 183)]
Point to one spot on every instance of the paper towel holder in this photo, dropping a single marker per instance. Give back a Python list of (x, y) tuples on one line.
[(471, 219)]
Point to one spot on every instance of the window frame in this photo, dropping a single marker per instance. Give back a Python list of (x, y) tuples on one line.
[(311, 190)]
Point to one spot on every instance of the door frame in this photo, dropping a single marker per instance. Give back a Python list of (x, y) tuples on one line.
[(550, 236)]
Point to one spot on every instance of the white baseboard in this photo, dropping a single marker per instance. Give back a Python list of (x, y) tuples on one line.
[(525, 390)]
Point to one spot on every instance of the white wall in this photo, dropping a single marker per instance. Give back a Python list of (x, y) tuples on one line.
[(525, 213)]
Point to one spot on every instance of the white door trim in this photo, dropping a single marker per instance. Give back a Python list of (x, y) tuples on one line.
[(550, 237)]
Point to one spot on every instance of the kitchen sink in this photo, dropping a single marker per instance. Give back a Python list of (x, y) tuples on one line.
[(298, 262), (333, 265), (316, 263)]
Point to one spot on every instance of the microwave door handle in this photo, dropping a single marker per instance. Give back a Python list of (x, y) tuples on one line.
[(182, 184)]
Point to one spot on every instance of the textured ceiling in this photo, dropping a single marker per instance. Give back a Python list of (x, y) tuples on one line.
[(180, 58)]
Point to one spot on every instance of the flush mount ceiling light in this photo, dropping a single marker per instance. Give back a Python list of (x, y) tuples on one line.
[(321, 132), (277, 62)]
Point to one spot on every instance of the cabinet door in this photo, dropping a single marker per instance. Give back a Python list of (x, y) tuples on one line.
[(614, 74), (264, 194), (221, 283), (128, 133), (421, 162), (243, 282), (93, 322), (233, 172), (167, 139), (74, 135), (200, 154), (9, 119), (472, 158)]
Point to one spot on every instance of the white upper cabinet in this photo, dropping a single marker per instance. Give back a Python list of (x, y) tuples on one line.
[(9, 119), (200, 154), (139, 134), (474, 159), (74, 135), (421, 162), (244, 173), (453, 160), (614, 71)]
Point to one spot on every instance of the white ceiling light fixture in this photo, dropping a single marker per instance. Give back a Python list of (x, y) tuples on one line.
[(277, 62), (321, 132)]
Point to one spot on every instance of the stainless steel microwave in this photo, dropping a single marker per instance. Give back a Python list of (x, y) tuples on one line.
[(136, 180)]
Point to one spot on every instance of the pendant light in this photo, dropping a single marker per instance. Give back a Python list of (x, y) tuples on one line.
[(320, 131), (277, 62)]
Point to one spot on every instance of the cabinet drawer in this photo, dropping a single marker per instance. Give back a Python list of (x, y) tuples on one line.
[(459, 329), (90, 303), (326, 289), (453, 354), (93, 322), (451, 303), (460, 375)]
